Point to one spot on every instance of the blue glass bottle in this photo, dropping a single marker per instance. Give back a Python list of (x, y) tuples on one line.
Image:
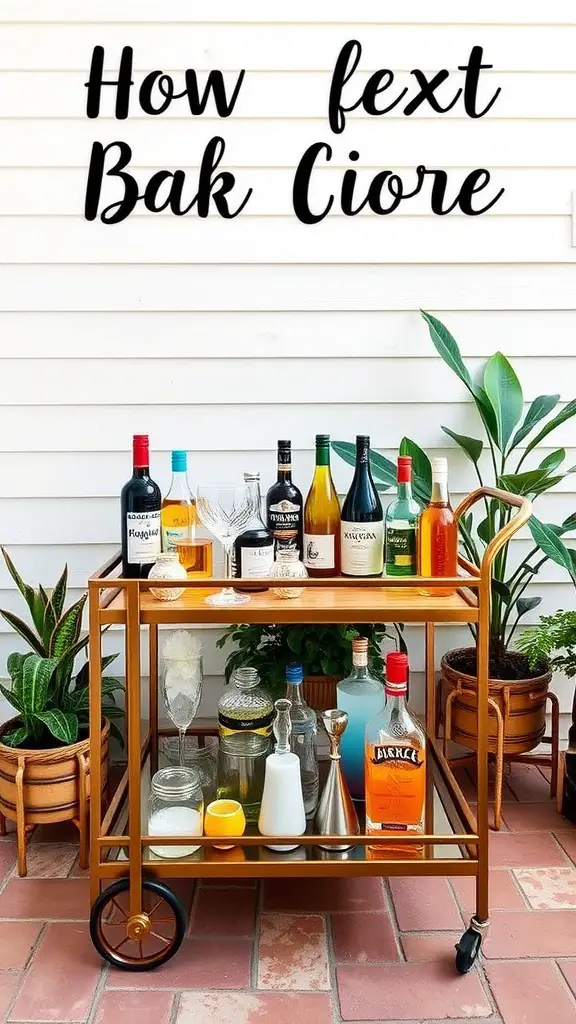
[(362, 697)]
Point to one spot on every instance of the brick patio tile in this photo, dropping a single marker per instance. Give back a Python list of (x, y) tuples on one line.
[(567, 841), (7, 859), (143, 1006), (323, 895), (548, 888), (50, 860), (507, 794), (533, 817), (293, 953), (61, 982), (17, 939), (199, 963), (525, 850), (44, 899), (224, 912), (402, 991), (254, 1008), (9, 982), (528, 783), (364, 938), (437, 947), (521, 933), (504, 893), (424, 904), (568, 968), (528, 993)]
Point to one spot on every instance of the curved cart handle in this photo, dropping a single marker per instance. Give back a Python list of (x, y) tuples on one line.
[(518, 520)]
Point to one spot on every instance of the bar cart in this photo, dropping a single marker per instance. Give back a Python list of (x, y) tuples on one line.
[(137, 921)]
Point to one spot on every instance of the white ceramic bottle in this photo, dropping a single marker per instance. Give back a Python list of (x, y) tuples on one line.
[(282, 809)]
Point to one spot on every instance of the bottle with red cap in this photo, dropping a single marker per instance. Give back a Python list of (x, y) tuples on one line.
[(140, 502), (401, 525), (395, 762)]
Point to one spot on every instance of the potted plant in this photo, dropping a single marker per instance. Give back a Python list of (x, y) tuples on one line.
[(518, 689), (44, 749), (553, 640), (325, 653)]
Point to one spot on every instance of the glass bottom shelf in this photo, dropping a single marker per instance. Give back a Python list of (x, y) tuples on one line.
[(440, 858)]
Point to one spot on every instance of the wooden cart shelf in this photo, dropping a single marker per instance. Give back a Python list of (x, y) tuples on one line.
[(119, 844)]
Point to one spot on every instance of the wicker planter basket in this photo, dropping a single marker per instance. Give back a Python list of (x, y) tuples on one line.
[(39, 787)]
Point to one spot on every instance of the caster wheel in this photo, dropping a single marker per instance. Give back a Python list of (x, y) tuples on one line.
[(467, 950), (137, 943)]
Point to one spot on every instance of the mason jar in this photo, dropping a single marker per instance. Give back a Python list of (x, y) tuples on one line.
[(176, 808)]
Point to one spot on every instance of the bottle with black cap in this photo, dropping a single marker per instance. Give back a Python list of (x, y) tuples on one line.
[(362, 526), (284, 505), (253, 554)]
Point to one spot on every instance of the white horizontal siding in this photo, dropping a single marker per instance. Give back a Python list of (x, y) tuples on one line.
[(222, 336)]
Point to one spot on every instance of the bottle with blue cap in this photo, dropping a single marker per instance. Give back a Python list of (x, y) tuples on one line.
[(178, 507), (303, 737)]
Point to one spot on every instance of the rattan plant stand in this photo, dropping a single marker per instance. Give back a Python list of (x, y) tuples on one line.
[(137, 921)]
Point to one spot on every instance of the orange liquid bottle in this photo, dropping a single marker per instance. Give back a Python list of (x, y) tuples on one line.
[(438, 536), (395, 765)]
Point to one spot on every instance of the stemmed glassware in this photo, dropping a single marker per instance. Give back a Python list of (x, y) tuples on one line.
[(182, 677), (225, 510)]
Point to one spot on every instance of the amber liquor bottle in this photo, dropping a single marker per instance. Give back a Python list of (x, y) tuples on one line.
[(439, 532)]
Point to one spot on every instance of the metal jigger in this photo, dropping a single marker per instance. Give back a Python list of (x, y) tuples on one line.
[(336, 814)]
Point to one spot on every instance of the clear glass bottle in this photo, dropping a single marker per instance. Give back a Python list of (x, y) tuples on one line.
[(253, 552), (395, 761), (202, 760), (178, 513), (303, 738), (288, 566), (245, 717), (401, 526), (175, 808), (361, 696), (439, 531)]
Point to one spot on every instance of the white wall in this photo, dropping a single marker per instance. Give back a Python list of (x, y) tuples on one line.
[(222, 336)]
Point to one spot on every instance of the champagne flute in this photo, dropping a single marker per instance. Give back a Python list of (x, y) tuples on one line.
[(182, 677), (225, 510)]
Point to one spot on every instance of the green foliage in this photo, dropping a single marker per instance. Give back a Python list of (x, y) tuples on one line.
[(552, 641), (52, 705), (322, 650), (499, 404)]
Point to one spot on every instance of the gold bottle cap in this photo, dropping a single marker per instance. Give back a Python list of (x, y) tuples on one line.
[(360, 645)]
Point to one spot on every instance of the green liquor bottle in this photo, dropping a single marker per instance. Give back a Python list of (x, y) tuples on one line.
[(401, 528)]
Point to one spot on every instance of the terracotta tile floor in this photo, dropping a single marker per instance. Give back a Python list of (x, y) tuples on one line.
[(319, 952)]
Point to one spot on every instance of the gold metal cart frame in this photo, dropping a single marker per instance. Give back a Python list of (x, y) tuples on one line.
[(132, 905)]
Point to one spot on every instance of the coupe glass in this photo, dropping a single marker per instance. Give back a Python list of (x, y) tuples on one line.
[(182, 677), (226, 512)]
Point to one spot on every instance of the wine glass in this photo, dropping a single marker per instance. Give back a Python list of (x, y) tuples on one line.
[(225, 510), (182, 677)]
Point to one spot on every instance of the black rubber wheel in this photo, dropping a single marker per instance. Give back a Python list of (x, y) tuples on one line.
[(109, 917), (467, 950)]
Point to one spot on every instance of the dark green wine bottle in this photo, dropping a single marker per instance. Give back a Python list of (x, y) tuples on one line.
[(362, 526)]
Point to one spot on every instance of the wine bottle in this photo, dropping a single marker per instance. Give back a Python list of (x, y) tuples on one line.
[(402, 517), (178, 511), (140, 502), (284, 504), (322, 517), (362, 527), (253, 554), (439, 531)]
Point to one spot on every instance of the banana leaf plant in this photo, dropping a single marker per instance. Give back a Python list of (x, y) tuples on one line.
[(52, 702), (504, 427)]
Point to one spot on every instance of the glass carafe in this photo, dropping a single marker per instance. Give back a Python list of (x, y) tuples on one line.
[(288, 566), (245, 716)]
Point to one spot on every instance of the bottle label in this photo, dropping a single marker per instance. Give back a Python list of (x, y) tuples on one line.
[(256, 563), (362, 548), (401, 548), (400, 755), (284, 520), (319, 551), (174, 535), (395, 787), (262, 724), (143, 531)]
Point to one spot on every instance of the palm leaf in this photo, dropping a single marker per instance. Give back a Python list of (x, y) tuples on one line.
[(505, 394), (565, 414), (539, 408), (472, 446)]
